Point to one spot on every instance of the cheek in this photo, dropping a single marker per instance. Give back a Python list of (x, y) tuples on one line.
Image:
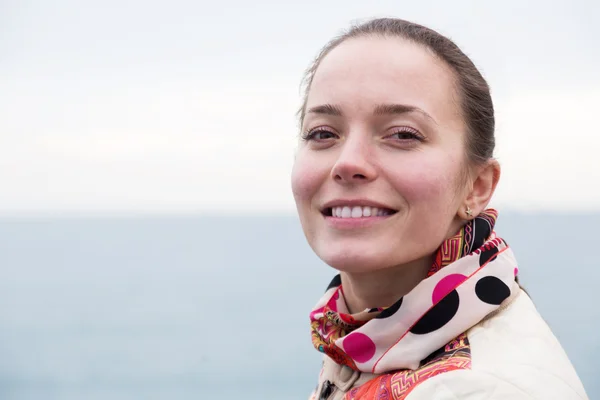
[(306, 180), (429, 181)]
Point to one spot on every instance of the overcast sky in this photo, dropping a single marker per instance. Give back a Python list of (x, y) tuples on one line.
[(178, 106)]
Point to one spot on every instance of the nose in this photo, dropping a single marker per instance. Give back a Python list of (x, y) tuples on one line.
[(353, 164)]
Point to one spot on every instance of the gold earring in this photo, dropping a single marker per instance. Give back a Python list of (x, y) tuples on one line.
[(469, 212)]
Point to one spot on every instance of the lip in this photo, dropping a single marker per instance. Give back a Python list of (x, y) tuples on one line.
[(355, 223), (355, 202)]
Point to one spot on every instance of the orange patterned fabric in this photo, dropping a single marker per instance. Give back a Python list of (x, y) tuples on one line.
[(397, 385)]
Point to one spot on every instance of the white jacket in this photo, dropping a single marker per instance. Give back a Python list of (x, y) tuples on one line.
[(514, 355)]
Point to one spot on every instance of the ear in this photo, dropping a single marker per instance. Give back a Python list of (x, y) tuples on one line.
[(485, 179)]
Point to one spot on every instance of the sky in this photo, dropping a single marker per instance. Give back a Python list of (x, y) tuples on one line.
[(137, 106)]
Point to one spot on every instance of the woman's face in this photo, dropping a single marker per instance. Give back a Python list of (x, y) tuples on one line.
[(377, 177)]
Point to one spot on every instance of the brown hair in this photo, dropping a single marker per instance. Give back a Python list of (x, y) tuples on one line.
[(473, 90)]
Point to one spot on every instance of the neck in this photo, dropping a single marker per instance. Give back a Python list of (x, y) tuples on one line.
[(384, 287)]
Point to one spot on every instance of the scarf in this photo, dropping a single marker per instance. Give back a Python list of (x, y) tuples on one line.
[(472, 274)]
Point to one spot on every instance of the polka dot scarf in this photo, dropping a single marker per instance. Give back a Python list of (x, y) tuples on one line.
[(473, 273)]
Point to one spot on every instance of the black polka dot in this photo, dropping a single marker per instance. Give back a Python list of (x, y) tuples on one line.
[(439, 315), (388, 312), (492, 290), (337, 281), (487, 255)]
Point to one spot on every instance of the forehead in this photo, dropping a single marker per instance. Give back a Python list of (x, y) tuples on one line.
[(363, 72)]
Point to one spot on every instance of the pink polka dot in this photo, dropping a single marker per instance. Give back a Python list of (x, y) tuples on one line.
[(358, 346), (516, 271), (446, 285), (334, 300)]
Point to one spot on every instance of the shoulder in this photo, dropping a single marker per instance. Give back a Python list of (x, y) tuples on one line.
[(483, 385), (514, 355)]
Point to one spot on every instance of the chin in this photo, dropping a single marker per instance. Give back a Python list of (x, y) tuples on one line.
[(355, 259)]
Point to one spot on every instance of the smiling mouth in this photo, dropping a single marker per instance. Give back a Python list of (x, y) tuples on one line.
[(357, 212)]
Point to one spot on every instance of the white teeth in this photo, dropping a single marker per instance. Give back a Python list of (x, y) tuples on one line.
[(358, 212)]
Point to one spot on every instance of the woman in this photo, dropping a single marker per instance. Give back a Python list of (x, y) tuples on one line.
[(391, 180)]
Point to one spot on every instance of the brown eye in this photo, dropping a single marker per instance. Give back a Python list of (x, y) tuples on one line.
[(320, 135), (406, 134)]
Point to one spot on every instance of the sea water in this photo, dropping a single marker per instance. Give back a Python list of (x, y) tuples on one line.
[(208, 307)]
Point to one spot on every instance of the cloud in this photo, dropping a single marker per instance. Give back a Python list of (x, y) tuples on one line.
[(231, 150), (179, 149), (191, 107), (548, 145)]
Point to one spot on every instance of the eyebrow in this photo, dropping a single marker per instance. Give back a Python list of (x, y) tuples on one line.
[(399, 109), (380, 110), (326, 109)]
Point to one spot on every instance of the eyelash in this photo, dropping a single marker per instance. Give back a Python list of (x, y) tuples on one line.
[(410, 131), (310, 134)]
